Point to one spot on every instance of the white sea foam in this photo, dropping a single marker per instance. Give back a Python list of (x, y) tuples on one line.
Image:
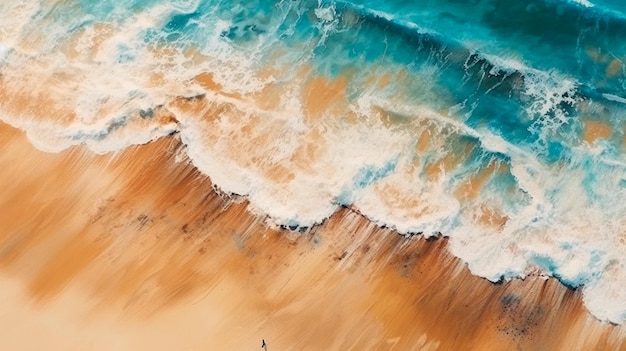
[(585, 3)]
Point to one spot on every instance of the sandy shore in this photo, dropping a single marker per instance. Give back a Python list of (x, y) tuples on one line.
[(135, 251)]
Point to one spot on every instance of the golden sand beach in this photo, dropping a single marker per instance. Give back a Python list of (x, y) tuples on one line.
[(136, 251)]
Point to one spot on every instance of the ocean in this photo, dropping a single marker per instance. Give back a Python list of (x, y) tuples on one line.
[(497, 124)]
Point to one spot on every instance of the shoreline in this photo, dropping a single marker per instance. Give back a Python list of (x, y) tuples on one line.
[(132, 250)]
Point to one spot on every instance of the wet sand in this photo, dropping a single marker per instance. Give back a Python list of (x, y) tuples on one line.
[(136, 251)]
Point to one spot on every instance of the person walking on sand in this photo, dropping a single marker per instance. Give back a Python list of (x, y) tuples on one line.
[(264, 345)]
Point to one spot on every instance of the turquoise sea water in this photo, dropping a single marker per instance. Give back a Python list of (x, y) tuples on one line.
[(497, 123)]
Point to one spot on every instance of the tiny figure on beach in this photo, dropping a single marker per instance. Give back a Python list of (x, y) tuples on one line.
[(264, 345)]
